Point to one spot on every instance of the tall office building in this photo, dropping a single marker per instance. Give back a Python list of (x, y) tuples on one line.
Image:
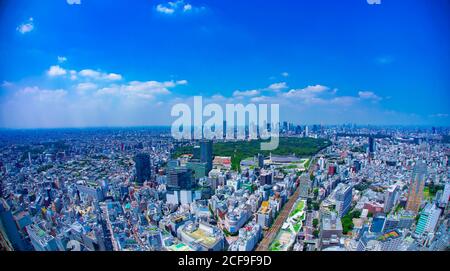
[(206, 153), (428, 219), (391, 223), (10, 227), (391, 196), (265, 178), (378, 223), (285, 126), (224, 129), (143, 171), (260, 160), (198, 168), (445, 196), (264, 215), (180, 178), (343, 198), (371, 144), (415, 192)]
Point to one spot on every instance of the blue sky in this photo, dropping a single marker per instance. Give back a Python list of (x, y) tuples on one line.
[(72, 63)]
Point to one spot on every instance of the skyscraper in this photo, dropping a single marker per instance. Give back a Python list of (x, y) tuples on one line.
[(371, 145), (10, 227), (428, 219), (180, 178), (391, 196), (378, 223), (343, 198), (260, 160), (265, 178), (143, 171), (198, 168), (445, 196), (206, 154), (224, 129), (415, 192)]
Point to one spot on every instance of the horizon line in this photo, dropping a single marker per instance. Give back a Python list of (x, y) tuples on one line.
[(169, 126)]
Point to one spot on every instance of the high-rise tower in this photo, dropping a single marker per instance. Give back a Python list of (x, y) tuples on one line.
[(143, 171), (415, 192), (206, 154)]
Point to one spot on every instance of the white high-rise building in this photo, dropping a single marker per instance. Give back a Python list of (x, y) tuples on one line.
[(391, 196), (445, 195), (322, 163), (186, 197), (428, 219)]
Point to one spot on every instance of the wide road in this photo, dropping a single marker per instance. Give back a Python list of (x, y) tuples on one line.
[(281, 218)]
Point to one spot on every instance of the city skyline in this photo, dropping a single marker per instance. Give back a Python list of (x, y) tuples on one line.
[(324, 189), (84, 64), (225, 127)]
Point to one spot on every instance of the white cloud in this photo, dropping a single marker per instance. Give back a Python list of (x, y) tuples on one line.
[(81, 101), (73, 75), (162, 9), (95, 97), (368, 95), (182, 82), (90, 73), (62, 59), (138, 89), (285, 74), (218, 98), (100, 75), (308, 92), (56, 71), (278, 86), (26, 27), (247, 93), (153, 87), (318, 95), (7, 84), (82, 87), (74, 2), (187, 7), (89, 79), (260, 99), (113, 76), (42, 95), (179, 6), (439, 115), (343, 100)]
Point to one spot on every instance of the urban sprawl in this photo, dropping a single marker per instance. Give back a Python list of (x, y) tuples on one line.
[(326, 188)]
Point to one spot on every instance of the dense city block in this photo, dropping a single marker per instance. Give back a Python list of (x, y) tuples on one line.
[(326, 188)]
